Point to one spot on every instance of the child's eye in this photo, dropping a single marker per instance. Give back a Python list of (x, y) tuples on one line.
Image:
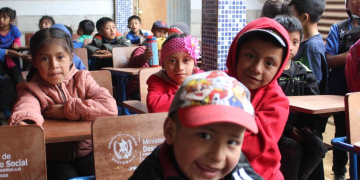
[(60, 57), (233, 142), (172, 60), (186, 60), (250, 56), (205, 136), (44, 59), (269, 63)]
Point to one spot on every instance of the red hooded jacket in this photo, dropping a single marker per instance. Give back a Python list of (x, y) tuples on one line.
[(352, 68), (271, 109)]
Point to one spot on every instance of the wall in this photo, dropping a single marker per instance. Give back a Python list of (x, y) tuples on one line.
[(253, 9), (29, 12)]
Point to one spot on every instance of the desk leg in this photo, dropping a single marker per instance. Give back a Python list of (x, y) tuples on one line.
[(353, 166), (122, 92)]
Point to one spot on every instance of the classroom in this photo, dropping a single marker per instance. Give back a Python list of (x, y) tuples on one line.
[(180, 89)]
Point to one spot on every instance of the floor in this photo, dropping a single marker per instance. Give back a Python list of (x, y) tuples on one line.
[(328, 135)]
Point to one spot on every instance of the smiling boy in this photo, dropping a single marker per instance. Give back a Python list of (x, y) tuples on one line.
[(204, 140), (107, 38)]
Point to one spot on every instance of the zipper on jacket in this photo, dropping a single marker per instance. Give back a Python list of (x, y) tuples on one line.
[(62, 92)]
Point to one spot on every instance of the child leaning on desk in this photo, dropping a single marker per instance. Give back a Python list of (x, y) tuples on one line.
[(59, 91)]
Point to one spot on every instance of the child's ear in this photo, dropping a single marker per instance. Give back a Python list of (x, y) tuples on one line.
[(128, 26), (170, 130), (71, 57), (305, 17)]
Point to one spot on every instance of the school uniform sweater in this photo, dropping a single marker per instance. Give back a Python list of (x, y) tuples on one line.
[(271, 109), (161, 91)]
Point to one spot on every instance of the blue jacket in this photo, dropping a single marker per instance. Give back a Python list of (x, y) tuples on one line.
[(135, 39)]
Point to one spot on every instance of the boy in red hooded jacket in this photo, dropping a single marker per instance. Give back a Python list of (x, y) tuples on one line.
[(257, 58)]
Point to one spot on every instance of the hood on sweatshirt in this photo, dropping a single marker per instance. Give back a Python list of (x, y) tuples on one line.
[(265, 25)]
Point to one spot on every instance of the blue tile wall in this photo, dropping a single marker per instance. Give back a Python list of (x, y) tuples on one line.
[(221, 21), (123, 10)]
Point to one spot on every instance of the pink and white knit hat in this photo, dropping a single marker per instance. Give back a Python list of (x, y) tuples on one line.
[(187, 44)]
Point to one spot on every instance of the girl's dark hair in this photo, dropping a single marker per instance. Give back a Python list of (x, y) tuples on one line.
[(49, 37), (9, 12), (47, 17), (272, 8), (87, 27), (290, 23), (172, 37)]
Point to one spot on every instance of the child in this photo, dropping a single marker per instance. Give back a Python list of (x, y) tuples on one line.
[(337, 48), (59, 91), (85, 29), (107, 38), (134, 24), (46, 22), (76, 60), (257, 57), (178, 59), (204, 134), (301, 151), (272, 8)]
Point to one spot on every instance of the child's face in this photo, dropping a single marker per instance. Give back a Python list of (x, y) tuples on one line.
[(159, 32), (258, 62), (108, 31), (53, 63), (354, 7), (295, 43), (207, 152), (79, 31), (45, 23), (4, 20), (134, 25), (179, 66)]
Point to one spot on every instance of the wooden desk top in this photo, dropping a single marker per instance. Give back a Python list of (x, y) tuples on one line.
[(102, 56), (317, 104), (66, 131), (126, 71), (136, 106)]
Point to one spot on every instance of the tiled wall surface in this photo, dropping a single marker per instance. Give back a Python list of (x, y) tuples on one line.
[(221, 21), (123, 10)]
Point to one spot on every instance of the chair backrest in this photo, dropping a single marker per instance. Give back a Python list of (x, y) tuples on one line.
[(121, 143), (144, 75), (27, 38), (82, 53), (352, 114), (22, 152), (87, 41), (103, 78), (121, 56)]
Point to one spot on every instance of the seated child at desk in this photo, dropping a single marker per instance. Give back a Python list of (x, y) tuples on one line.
[(46, 22), (134, 24), (301, 150), (159, 29), (178, 60), (85, 29), (106, 38), (257, 57), (76, 60), (59, 91), (203, 134)]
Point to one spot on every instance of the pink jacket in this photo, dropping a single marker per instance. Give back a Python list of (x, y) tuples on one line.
[(82, 97)]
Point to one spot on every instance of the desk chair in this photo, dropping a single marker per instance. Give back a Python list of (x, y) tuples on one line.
[(103, 78), (121, 56), (351, 142), (23, 147), (27, 38), (121, 143), (82, 53), (140, 106)]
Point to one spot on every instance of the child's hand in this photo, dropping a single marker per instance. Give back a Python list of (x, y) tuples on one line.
[(22, 123), (147, 55), (102, 52), (25, 122), (26, 57), (296, 135), (15, 46), (55, 112)]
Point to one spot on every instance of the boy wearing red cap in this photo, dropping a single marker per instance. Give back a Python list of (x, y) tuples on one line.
[(204, 132), (257, 58)]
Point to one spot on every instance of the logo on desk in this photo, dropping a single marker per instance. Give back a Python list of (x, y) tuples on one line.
[(124, 59), (123, 148)]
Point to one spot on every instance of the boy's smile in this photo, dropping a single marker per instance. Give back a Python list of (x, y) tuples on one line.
[(206, 152), (258, 62)]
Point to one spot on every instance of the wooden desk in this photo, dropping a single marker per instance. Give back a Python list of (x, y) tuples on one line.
[(66, 131), (317, 104), (101, 56), (136, 107), (124, 71)]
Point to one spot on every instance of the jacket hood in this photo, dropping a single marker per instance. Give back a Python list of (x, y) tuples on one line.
[(261, 23)]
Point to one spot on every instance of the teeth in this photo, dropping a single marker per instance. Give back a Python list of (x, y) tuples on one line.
[(207, 168)]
